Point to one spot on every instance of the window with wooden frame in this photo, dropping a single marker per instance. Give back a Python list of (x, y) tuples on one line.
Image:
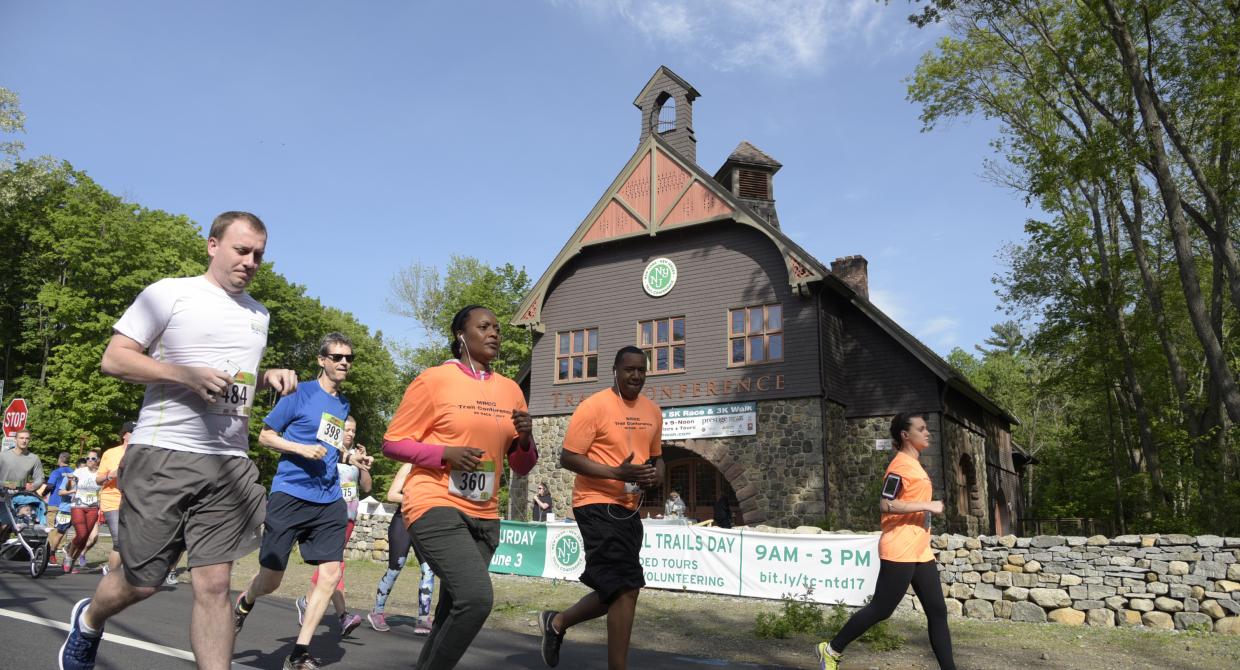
[(576, 355), (755, 335), (663, 340)]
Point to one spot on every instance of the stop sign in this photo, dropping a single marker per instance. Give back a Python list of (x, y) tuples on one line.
[(15, 417)]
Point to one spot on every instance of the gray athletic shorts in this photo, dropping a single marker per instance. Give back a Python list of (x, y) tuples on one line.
[(211, 507), (113, 519)]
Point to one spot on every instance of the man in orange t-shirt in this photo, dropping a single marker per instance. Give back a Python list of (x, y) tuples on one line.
[(613, 443)]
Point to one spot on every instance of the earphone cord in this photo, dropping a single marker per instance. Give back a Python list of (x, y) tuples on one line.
[(628, 437)]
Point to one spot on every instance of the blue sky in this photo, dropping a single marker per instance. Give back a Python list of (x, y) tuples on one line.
[(373, 135)]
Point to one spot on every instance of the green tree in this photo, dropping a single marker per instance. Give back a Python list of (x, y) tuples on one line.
[(421, 293), (1117, 117), (1005, 337), (77, 259)]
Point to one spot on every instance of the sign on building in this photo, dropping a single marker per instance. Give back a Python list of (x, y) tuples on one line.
[(730, 420), (659, 277)]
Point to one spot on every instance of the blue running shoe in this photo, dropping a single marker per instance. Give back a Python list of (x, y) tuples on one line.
[(78, 651)]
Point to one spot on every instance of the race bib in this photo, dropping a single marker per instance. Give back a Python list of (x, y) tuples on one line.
[(331, 431), (349, 489), (87, 498), (477, 485), (238, 397), (63, 518)]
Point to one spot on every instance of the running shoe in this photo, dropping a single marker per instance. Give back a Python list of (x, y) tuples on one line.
[(378, 622), (82, 559), (423, 625), (79, 650), (303, 662), (301, 605), (67, 566), (825, 660), (239, 614), (348, 623), (104, 569), (551, 640), (171, 579)]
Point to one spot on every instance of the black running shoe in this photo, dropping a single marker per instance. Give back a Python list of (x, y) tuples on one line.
[(551, 640)]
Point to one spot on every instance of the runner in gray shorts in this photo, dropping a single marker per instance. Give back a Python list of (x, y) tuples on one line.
[(177, 501), (187, 480)]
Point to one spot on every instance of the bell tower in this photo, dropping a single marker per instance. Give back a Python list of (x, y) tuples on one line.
[(666, 104)]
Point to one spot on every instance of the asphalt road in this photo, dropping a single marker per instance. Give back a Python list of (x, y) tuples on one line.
[(155, 635)]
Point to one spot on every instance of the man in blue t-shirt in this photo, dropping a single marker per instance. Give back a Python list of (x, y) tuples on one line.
[(59, 524), (305, 505)]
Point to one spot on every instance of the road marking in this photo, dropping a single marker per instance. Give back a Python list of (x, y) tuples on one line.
[(118, 639)]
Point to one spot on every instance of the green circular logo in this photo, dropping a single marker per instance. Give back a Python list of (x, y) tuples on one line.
[(659, 277), (568, 553)]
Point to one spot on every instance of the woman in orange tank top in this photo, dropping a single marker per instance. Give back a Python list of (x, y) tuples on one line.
[(905, 507)]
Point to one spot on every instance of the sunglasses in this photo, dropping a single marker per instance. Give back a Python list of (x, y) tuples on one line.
[(92, 458), (336, 358)]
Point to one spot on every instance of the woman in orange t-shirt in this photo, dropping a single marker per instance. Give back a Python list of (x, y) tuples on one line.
[(456, 424), (904, 552)]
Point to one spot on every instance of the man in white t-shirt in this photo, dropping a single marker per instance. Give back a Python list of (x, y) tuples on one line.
[(195, 343)]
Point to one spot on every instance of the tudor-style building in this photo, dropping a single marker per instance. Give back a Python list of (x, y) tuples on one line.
[(777, 376)]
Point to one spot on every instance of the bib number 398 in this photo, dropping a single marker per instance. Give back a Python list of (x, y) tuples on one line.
[(331, 431), (476, 485)]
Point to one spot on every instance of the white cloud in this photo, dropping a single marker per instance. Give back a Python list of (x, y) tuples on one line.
[(941, 332), (890, 303), (786, 37)]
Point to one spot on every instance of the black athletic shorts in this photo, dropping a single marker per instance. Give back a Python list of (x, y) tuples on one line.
[(613, 538), (317, 528)]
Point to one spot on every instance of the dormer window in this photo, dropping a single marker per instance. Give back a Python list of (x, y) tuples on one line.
[(754, 184)]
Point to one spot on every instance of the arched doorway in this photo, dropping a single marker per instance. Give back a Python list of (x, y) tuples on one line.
[(969, 504), (699, 484), (1002, 515)]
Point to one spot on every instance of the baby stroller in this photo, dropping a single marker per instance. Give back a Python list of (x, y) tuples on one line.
[(25, 515)]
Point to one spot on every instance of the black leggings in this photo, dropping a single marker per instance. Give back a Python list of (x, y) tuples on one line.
[(893, 581)]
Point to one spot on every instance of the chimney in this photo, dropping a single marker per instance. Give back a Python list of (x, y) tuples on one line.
[(750, 175), (853, 270), (667, 110)]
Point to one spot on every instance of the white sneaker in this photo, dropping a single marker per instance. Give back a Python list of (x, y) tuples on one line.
[(171, 579)]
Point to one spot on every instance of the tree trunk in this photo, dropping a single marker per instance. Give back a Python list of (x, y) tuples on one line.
[(1134, 224), (1109, 289), (1216, 359)]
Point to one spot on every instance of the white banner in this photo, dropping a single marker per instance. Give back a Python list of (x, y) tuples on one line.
[(826, 568), (687, 423)]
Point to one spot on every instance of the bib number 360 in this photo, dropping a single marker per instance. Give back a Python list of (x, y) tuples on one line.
[(476, 485)]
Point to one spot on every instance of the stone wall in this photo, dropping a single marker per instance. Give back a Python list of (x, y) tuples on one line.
[(369, 538), (1157, 581), (777, 473)]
